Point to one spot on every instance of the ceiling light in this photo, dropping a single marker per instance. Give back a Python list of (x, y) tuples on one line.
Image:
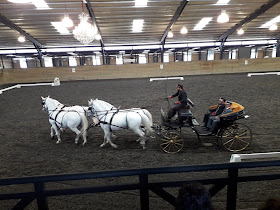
[(137, 25), (271, 22), (67, 22), (240, 31), (141, 3), (97, 37), (21, 38), (222, 2), (184, 30), (20, 1), (273, 27), (170, 34), (85, 32), (40, 4), (202, 23), (223, 17), (60, 28)]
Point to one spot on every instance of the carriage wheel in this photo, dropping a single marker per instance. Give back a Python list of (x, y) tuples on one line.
[(171, 141), (236, 137)]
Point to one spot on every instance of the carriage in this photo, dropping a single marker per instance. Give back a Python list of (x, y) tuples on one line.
[(231, 135)]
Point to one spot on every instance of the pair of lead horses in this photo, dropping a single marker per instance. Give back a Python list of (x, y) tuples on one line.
[(102, 113)]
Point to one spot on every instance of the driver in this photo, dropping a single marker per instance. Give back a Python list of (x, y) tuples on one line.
[(182, 102)]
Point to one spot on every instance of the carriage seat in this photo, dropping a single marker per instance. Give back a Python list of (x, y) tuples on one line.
[(237, 112)]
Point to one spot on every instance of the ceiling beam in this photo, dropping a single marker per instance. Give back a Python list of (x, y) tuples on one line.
[(173, 20), (91, 14), (249, 18), (13, 26)]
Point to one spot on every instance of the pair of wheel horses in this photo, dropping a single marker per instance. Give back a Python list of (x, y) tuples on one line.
[(102, 113), (230, 134)]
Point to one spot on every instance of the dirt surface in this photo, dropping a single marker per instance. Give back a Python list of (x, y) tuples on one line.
[(27, 149)]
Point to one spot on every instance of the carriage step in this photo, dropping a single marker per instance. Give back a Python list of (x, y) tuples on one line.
[(201, 132)]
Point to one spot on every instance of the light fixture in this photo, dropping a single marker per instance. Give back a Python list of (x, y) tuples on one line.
[(21, 38), (59, 26), (273, 27), (137, 25), (20, 1), (85, 32), (240, 31), (170, 34), (67, 22), (222, 2), (141, 3), (184, 30), (272, 21), (202, 23), (223, 17)]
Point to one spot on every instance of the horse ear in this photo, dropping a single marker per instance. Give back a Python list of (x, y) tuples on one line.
[(43, 98), (48, 96)]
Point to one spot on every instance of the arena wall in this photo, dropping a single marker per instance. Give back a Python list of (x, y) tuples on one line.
[(31, 75)]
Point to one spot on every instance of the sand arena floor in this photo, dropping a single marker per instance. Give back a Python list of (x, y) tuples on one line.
[(27, 149)]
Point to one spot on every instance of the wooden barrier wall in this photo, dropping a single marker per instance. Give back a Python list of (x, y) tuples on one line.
[(33, 75)]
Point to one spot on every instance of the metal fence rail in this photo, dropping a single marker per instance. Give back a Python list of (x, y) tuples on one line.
[(144, 185)]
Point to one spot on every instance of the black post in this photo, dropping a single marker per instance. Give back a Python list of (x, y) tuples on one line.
[(40, 197), (277, 49), (221, 50), (162, 52), (2, 63), (144, 192), (232, 189)]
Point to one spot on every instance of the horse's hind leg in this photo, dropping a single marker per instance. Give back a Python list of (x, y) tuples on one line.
[(142, 137), (52, 134), (78, 133)]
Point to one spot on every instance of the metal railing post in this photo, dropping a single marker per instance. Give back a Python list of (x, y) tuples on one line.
[(232, 188), (144, 191), (40, 197)]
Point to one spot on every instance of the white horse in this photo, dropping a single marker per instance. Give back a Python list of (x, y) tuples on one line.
[(61, 117), (138, 110), (111, 119)]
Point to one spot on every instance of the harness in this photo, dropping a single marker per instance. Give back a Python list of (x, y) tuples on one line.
[(111, 120)]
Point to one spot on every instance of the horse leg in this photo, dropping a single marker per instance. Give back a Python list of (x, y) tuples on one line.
[(57, 133), (142, 137), (107, 139), (52, 134), (78, 133)]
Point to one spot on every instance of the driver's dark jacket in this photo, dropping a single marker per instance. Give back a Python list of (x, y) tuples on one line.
[(182, 97)]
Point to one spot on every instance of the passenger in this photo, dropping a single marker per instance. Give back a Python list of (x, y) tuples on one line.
[(182, 102), (215, 112), (193, 196), (214, 120)]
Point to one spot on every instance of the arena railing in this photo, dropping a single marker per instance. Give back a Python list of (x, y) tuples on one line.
[(230, 180)]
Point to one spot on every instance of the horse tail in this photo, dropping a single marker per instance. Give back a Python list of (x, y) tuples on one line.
[(147, 124), (84, 124)]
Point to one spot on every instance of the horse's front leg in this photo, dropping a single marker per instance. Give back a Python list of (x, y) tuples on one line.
[(52, 132), (57, 133), (107, 139)]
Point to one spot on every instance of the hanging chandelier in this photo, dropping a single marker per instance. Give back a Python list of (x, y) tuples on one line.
[(85, 32)]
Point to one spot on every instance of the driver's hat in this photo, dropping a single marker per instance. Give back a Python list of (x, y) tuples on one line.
[(180, 86)]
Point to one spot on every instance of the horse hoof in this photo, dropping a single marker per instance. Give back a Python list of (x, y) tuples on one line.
[(58, 142), (102, 145)]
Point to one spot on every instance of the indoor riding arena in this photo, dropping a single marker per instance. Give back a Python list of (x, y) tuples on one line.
[(28, 150), (60, 59)]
